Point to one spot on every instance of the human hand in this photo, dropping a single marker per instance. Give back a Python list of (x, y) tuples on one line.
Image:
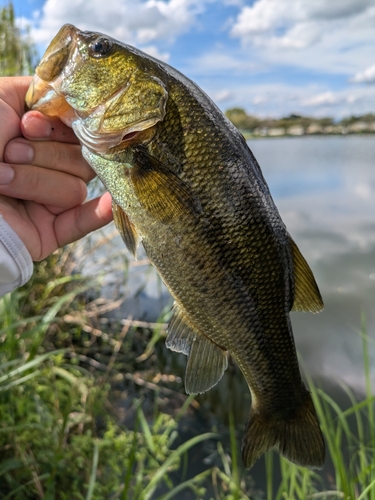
[(43, 177)]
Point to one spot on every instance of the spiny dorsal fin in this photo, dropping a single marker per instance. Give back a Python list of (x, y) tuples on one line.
[(159, 190), (306, 292), (125, 228), (207, 362)]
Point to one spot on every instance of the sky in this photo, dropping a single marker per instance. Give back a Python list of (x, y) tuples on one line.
[(269, 57)]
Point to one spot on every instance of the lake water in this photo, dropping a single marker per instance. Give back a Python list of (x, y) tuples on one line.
[(324, 188)]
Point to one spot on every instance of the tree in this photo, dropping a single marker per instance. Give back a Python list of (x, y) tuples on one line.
[(241, 120), (17, 52)]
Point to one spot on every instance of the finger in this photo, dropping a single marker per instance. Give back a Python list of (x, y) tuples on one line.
[(79, 221), (44, 242), (49, 154), (42, 185), (16, 213), (12, 92), (36, 126)]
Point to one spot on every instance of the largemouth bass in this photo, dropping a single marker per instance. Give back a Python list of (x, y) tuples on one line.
[(186, 185)]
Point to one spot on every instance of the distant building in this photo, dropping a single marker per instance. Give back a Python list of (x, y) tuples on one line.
[(314, 128), (334, 129), (295, 130), (276, 131), (359, 127)]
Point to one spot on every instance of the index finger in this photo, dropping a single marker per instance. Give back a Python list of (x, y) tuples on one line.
[(36, 126)]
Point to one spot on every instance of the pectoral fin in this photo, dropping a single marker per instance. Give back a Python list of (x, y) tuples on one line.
[(207, 362), (306, 292), (125, 228), (160, 191)]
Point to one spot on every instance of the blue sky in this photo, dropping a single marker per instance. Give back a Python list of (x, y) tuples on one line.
[(271, 57)]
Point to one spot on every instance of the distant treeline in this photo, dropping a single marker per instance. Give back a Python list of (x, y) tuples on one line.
[(299, 125)]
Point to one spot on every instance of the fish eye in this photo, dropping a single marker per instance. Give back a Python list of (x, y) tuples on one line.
[(100, 47)]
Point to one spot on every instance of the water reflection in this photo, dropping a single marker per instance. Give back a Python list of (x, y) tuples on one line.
[(324, 189)]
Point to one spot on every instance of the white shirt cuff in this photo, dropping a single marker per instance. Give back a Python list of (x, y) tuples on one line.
[(16, 265)]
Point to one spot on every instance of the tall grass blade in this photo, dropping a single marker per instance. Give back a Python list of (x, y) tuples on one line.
[(25, 487), (94, 469), (151, 487), (30, 364), (191, 483)]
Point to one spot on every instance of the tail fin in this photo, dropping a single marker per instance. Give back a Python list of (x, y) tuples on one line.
[(298, 438)]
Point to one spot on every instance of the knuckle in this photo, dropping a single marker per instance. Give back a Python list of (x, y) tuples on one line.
[(55, 156), (82, 191), (78, 222)]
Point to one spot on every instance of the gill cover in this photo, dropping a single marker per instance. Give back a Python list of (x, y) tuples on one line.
[(138, 105)]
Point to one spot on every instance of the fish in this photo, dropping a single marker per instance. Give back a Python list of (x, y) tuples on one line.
[(186, 186)]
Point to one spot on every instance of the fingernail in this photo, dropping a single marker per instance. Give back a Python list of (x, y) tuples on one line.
[(19, 152), (6, 174), (37, 127)]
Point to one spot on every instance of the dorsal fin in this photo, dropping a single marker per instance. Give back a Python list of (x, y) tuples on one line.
[(207, 362), (306, 292)]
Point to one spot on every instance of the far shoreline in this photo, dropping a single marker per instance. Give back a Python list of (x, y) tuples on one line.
[(299, 126), (249, 135)]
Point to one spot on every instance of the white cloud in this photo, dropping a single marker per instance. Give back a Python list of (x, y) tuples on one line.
[(223, 95), (281, 99), (281, 18), (133, 21), (220, 62), (333, 36), (262, 17), (260, 99), (326, 98), (153, 51), (321, 9), (366, 76)]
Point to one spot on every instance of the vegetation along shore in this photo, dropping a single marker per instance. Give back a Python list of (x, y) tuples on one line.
[(296, 125)]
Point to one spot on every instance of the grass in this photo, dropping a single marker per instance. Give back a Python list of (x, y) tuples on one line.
[(66, 432), (63, 433)]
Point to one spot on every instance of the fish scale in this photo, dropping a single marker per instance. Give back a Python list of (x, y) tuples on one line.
[(186, 185)]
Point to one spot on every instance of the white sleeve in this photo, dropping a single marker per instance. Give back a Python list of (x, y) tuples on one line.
[(16, 265)]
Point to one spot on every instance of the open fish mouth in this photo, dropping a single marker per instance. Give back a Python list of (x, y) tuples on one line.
[(44, 93), (49, 94), (52, 102)]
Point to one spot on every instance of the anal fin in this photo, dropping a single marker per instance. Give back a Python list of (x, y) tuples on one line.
[(207, 362), (306, 292), (126, 229)]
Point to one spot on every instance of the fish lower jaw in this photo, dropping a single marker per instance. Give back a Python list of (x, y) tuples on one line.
[(96, 142), (102, 142)]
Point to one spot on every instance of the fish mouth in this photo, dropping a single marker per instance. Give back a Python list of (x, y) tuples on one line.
[(44, 91), (47, 98), (45, 94)]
